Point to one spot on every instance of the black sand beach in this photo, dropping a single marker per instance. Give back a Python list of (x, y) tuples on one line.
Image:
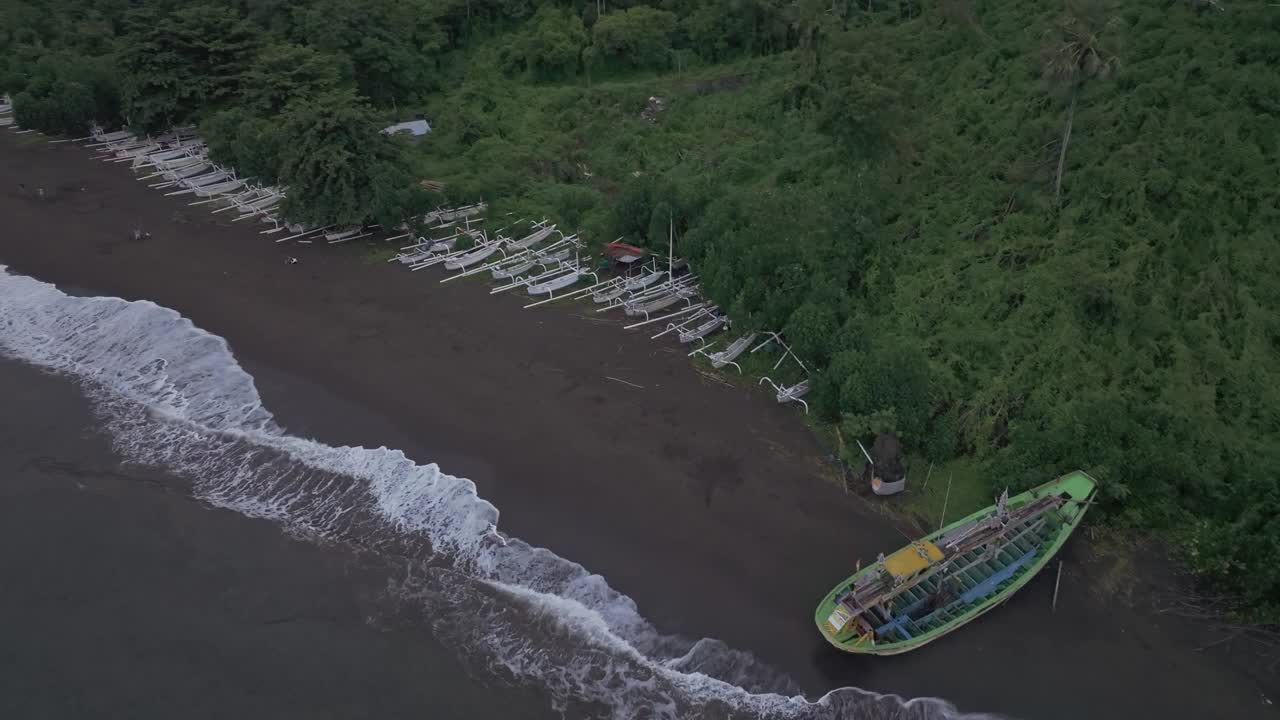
[(705, 504)]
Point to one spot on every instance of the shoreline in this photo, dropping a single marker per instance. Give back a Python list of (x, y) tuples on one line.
[(683, 494)]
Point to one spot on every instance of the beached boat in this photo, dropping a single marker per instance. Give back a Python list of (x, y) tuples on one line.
[(466, 260), (944, 580)]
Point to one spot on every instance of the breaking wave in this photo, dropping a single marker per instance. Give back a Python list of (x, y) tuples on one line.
[(173, 396)]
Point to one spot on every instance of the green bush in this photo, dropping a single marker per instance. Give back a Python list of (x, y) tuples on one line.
[(340, 168), (176, 65), (941, 441), (639, 37), (64, 94), (550, 45)]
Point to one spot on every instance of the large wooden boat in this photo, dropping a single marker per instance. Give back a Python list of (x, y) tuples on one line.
[(945, 580)]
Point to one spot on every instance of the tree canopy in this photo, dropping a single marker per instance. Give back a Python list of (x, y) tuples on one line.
[(340, 168), (177, 64)]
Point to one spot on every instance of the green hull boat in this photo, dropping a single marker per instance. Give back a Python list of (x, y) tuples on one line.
[(944, 580)]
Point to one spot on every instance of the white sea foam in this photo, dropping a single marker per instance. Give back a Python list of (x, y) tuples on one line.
[(173, 396)]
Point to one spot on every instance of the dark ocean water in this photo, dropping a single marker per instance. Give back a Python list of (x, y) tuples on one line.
[(123, 596)]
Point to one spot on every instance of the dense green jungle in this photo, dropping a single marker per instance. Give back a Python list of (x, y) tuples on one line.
[(1032, 235)]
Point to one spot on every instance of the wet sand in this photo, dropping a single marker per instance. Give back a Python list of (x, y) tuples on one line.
[(704, 503)]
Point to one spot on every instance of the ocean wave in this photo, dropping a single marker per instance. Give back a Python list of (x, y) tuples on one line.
[(173, 395)]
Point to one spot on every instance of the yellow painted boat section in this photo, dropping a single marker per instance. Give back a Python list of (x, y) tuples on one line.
[(912, 558)]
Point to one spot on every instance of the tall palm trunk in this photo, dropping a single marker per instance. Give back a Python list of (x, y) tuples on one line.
[(1066, 138)]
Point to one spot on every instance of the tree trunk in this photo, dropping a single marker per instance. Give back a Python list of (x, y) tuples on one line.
[(1066, 138)]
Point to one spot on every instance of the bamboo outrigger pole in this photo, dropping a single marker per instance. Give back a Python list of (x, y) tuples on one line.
[(865, 454), (1056, 583)]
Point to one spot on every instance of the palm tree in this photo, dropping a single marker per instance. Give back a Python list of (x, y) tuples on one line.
[(1074, 56)]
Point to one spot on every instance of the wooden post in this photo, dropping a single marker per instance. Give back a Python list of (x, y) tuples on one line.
[(1056, 584), (844, 478), (943, 520), (671, 248)]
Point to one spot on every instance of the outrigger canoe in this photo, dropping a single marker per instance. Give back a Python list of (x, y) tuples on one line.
[(947, 579)]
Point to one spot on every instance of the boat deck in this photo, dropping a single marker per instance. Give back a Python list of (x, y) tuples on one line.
[(974, 577)]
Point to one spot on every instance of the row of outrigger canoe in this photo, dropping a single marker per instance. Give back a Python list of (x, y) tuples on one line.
[(533, 256), (178, 164), (548, 265)]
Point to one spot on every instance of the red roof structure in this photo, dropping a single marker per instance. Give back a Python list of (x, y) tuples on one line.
[(622, 252)]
